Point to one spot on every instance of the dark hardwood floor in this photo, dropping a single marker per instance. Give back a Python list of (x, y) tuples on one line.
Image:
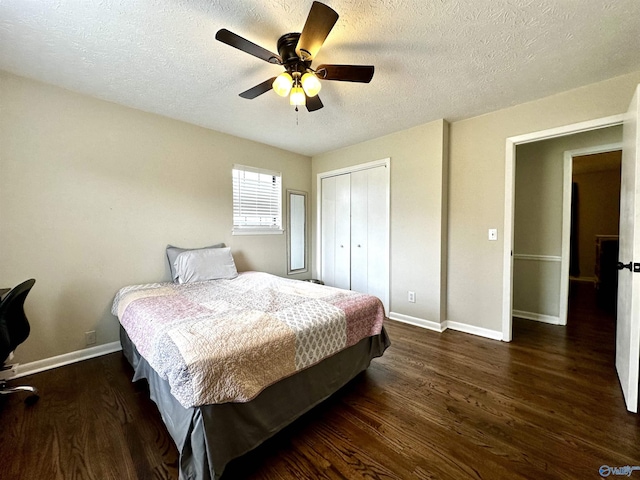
[(436, 406)]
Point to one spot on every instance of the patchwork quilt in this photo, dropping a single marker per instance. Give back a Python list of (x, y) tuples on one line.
[(226, 340)]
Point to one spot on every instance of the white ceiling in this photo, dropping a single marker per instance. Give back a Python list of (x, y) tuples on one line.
[(434, 59)]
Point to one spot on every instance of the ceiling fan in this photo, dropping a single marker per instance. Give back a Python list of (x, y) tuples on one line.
[(296, 52)]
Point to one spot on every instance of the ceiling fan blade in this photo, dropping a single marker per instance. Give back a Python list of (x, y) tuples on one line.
[(319, 23), (314, 103), (346, 73), (258, 90), (236, 41)]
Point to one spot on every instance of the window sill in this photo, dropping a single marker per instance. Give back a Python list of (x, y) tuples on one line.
[(257, 231)]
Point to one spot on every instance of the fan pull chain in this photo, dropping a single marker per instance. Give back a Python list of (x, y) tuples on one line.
[(297, 116)]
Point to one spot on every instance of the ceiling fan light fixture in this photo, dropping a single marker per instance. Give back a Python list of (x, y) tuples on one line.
[(296, 53), (282, 84), (310, 84), (297, 97)]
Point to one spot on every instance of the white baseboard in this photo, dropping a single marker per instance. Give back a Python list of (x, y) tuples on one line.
[(65, 359), (538, 317), (473, 330), (418, 322), (441, 327)]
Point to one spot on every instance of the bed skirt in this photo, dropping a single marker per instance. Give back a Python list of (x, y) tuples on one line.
[(210, 436)]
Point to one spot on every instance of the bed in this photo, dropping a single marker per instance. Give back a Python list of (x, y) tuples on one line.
[(232, 361)]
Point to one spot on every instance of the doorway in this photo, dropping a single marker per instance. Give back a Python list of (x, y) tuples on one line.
[(627, 335), (509, 217), (542, 218), (592, 178), (595, 223), (581, 282)]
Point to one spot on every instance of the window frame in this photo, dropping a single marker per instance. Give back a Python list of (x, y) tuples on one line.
[(246, 229)]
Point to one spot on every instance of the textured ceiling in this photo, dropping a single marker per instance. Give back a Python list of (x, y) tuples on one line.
[(434, 59)]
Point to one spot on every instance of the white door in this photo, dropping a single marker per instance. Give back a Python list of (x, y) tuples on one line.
[(369, 232), (359, 231), (336, 257), (378, 234), (342, 277), (628, 323), (354, 237), (328, 246)]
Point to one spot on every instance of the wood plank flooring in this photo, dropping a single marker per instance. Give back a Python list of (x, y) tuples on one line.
[(436, 406)]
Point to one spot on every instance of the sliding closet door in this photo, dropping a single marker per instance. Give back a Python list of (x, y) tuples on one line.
[(336, 231), (343, 233), (359, 213), (355, 231), (369, 232)]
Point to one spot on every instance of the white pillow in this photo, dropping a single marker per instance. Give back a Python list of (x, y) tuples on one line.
[(173, 252), (205, 264)]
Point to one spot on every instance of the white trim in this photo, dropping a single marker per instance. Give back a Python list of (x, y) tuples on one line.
[(384, 162), (510, 156), (537, 258), (610, 147), (249, 168), (565, 240), (507, 261), (355, 168), (473, 330), (65, 359), (418, 322), (538, 317), (256, 231), (571, 129), (447, 324)]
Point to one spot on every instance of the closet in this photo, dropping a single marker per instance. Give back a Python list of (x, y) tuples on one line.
[(355, 230)]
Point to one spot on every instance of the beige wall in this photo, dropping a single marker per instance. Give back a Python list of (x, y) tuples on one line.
[(90, 194), (476, 189), (418, 212), (599, 210), (538, 217)]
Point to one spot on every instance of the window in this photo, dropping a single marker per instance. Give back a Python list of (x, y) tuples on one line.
[(257, 201)]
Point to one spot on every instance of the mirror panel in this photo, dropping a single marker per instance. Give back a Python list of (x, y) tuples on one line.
[(296, 232)]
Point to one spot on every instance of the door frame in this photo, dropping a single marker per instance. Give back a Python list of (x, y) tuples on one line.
[(509, 203), (566, 218), (384, 162)]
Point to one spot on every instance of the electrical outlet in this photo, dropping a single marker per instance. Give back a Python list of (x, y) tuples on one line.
[(90, 337), (412, 297)]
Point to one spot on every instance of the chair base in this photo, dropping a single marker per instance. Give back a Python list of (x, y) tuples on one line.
[(31, 399)]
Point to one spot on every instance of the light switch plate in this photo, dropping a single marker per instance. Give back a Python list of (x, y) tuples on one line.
[(493, 234)]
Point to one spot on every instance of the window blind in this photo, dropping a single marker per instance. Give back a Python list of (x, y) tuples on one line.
[(257, 199)]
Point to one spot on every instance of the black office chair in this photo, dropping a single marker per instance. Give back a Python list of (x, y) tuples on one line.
[(14, 329)]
